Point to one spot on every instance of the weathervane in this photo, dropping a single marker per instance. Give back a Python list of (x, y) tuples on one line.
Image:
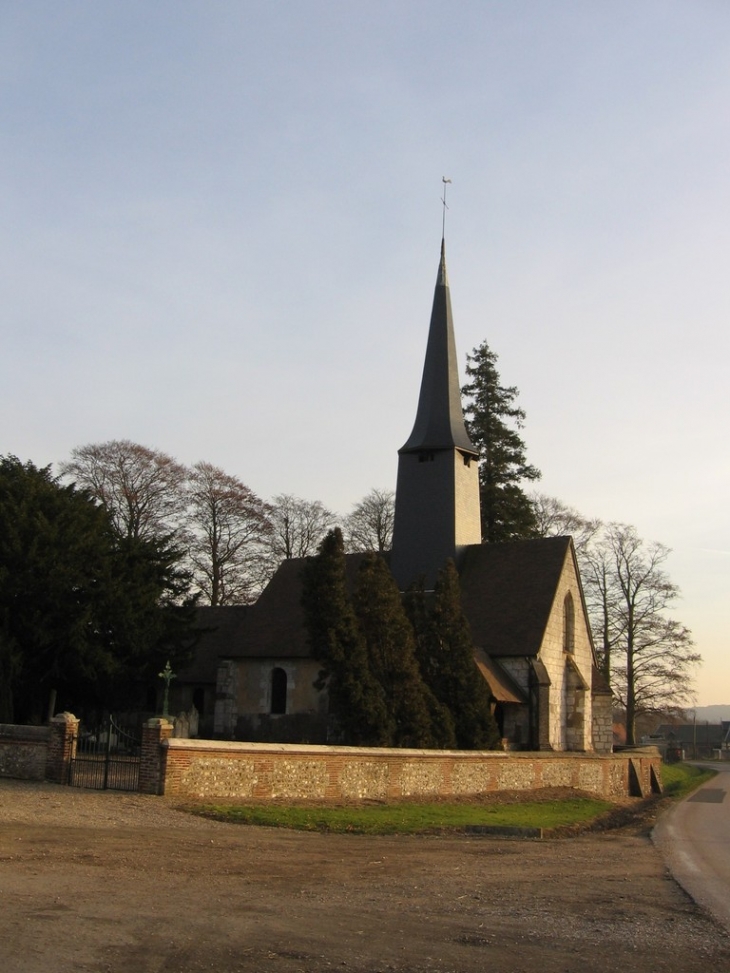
[(444, 180)]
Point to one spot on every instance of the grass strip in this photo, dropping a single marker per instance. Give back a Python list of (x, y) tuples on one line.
[(413, 818), (681, 779)]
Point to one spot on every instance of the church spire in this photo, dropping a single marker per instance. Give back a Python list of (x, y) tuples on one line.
[(437, 493), (439, 419)]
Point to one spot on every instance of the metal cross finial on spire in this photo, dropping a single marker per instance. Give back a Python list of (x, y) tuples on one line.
[(444, 180)]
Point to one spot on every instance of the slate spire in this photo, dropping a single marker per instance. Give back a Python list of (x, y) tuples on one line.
[(439, 419), (437, 492)]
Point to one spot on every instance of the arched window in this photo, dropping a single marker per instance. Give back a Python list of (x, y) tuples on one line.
[(278, 690), (568, 624)]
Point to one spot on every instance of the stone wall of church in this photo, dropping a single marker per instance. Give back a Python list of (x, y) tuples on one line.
[(247, 708), (467, 519), (218, 769), (569, 717), (603, 723)]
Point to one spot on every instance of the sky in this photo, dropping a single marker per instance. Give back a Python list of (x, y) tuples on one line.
[(221, 230)]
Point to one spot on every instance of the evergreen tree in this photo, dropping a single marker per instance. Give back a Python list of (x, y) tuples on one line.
[(81, 610), (446, 655), (392, 655), (417, 611), (148, 614), (357, 701), (493, 422)]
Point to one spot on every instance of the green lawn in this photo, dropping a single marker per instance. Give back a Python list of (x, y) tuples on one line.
[(681, 779), (409, 818), (421, 818)]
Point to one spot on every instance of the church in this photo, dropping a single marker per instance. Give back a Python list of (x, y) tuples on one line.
[(523, 600)]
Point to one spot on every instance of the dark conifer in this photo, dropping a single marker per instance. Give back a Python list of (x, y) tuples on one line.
[(446, 656), (357, 703), (493, 421), (84, 614), (392, 655), (417, 611)]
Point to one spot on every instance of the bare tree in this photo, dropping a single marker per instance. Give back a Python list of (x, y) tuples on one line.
[(229, 532), (298, 526), (650, 657), (553, 518), (369, 527), (141, 488)]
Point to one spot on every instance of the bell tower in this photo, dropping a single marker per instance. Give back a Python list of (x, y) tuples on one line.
[(437, 491)]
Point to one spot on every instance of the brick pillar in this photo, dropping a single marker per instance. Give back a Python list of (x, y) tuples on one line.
[(153, 754), (61, 747)]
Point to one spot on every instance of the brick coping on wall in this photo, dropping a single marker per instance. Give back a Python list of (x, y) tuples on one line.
[(238, 746)]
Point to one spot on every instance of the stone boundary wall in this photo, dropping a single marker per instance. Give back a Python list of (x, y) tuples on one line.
[(23, 751), (208, 769)]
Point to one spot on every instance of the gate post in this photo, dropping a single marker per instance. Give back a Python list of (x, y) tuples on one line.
[(152, 756), (61, 747)]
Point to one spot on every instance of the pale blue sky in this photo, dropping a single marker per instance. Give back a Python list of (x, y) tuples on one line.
[(221, 234)]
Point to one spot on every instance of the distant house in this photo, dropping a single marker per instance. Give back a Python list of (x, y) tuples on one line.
[(694, 740), (523, 600)]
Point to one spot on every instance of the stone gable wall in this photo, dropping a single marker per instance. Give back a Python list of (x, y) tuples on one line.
[(569, 713)]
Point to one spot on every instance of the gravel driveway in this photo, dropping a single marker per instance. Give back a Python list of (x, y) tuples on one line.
[(102, 881)]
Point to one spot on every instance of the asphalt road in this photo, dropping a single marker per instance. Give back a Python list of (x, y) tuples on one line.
[(694, 838)]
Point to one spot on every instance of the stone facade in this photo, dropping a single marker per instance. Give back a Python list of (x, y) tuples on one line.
[(567, 654), (268, 700), (208, 770), (23, 751)]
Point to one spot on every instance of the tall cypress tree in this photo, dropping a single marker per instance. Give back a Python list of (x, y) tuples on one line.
[(446, 655), (357, 701), (392, 656), (494, 422)]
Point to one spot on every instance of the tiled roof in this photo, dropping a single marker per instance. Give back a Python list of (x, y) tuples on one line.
[(501, 684), (218, 629), (507, 592), (700, 733), (273, 628)]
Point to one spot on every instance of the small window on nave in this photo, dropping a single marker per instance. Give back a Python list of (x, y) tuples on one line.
[(568, 624), (278, 690)]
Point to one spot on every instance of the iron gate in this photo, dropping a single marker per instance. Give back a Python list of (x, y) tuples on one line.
[(105, 758)]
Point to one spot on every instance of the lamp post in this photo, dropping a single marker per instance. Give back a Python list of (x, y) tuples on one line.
[(167, 675)]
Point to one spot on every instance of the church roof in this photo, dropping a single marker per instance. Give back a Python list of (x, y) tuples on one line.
[(501, 685), (439, 419), (216, 629), (273, 628), (507, 592), (274, 625)]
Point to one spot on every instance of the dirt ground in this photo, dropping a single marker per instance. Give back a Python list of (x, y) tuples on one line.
[(101, 881)]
